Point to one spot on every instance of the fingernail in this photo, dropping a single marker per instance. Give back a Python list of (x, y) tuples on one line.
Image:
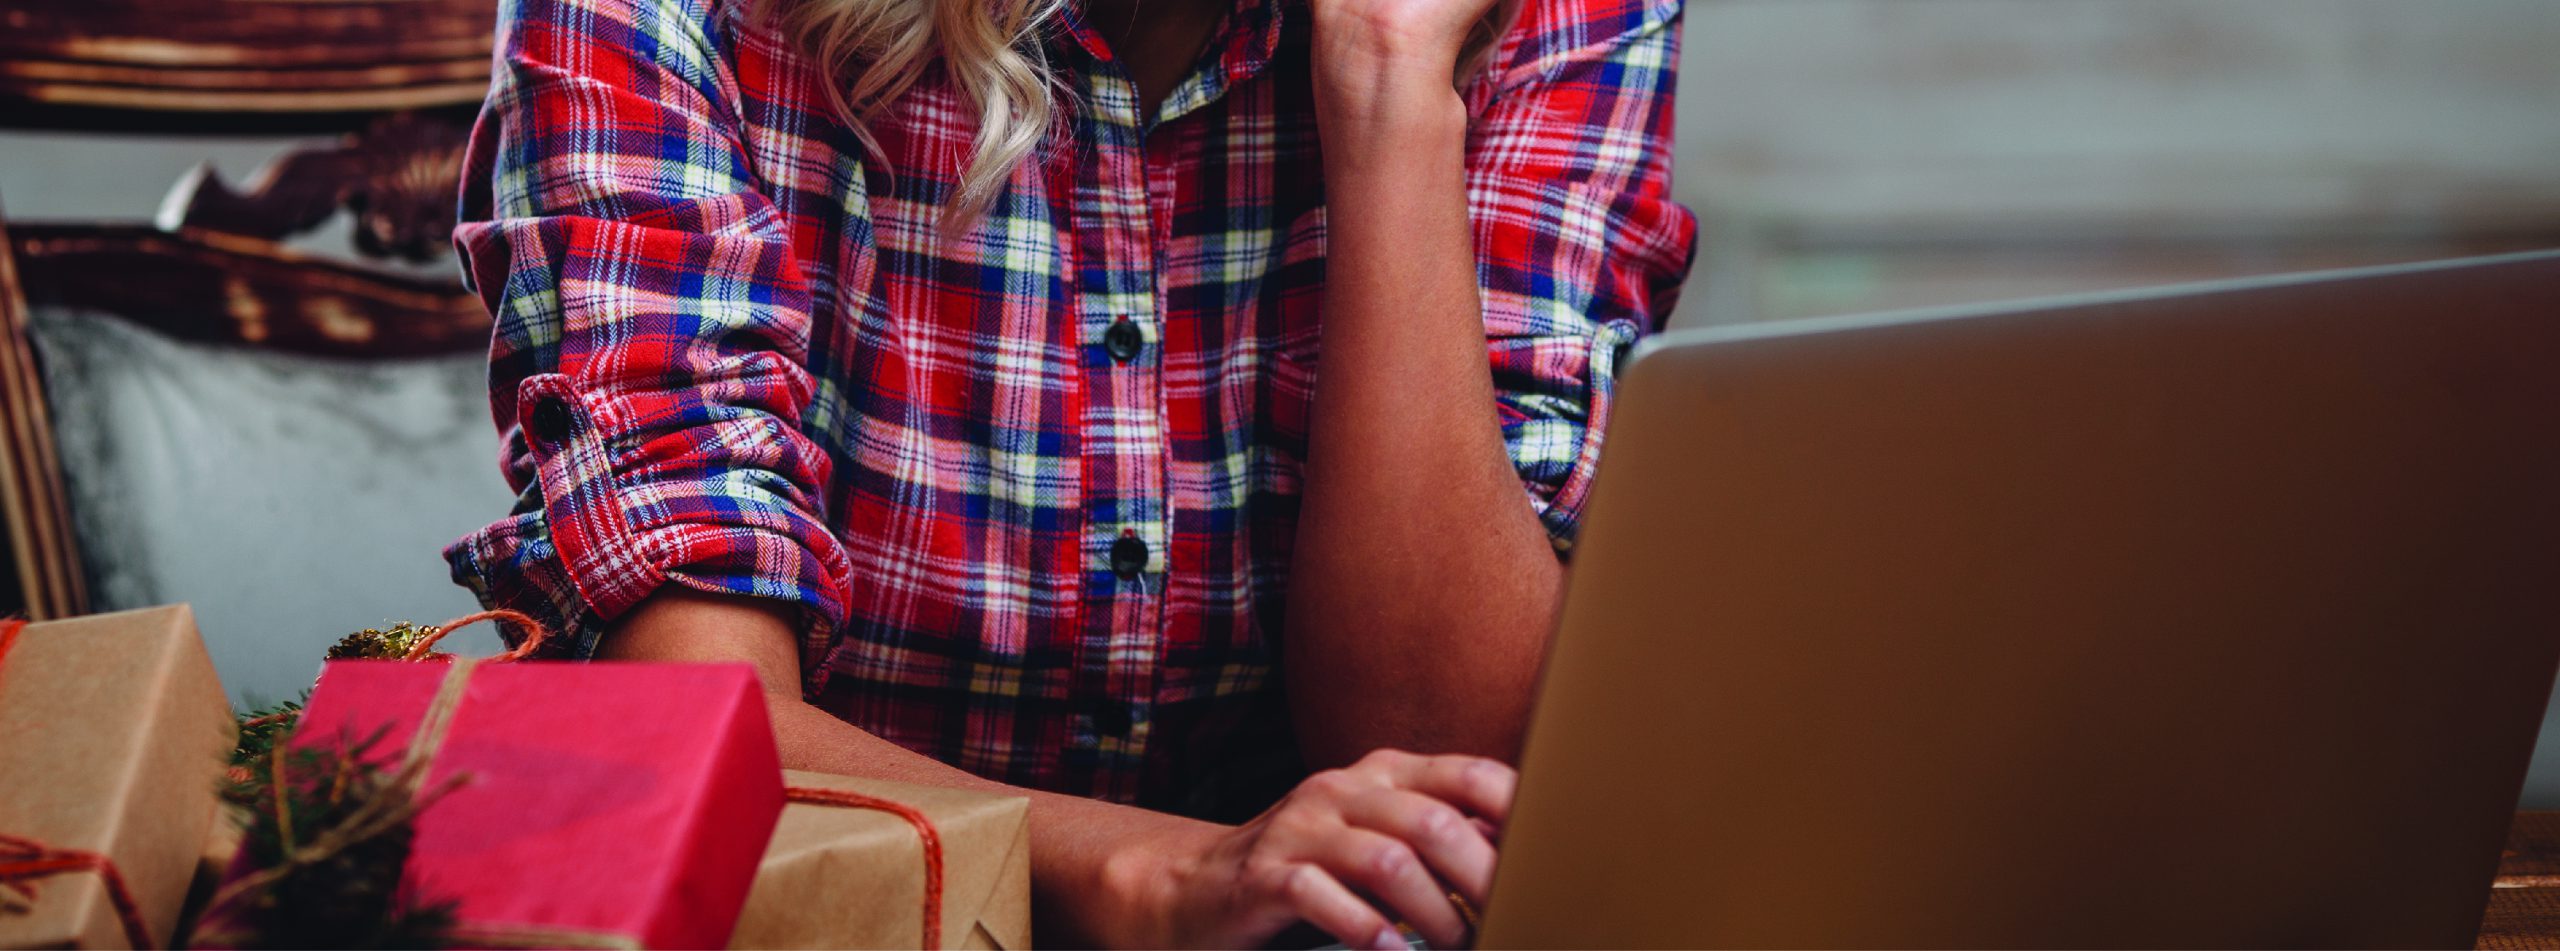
[(1387, 939)]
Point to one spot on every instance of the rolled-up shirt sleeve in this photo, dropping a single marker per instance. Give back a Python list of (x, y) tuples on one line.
[(648, 364), (1580, 248)]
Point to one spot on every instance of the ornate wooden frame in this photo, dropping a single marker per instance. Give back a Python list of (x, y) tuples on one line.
[(244, 56), (191, 284), (401, 74), (219, 288), (42, 549)]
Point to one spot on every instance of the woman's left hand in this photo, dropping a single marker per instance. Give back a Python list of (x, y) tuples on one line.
[(1375, 58)]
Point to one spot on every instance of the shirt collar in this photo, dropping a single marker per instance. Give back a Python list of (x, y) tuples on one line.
[(1247, 40)]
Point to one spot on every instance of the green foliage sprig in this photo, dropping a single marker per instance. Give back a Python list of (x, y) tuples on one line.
[(262, 730), (328, 833), (329, 839)]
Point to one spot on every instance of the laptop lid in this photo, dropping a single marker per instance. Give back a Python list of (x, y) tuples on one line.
[(2210, 616)]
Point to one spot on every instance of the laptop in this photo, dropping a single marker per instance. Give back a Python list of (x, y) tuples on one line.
[(2211, 616)]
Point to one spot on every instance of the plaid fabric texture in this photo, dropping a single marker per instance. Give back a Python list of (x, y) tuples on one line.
[(736, 351)]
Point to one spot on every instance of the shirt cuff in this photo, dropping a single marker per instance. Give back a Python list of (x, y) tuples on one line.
[(591, 537), (1553, 432)]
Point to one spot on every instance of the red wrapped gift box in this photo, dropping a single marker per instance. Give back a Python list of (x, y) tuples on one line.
[(619, 801)]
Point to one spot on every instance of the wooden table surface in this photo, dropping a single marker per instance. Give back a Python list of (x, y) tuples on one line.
[(2524, 906)]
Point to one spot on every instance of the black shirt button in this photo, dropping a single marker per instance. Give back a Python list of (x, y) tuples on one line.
[(1128, 557), (1123, 340), (551, 421), (1113, 719)]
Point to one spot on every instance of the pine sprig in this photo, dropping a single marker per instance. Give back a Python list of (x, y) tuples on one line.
[(329, 834), (261, 731)]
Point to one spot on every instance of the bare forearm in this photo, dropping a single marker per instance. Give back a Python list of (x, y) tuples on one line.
[(1423, 583), (1084, 881)]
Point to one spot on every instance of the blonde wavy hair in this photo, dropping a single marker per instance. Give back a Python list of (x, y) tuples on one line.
[(875, 50)]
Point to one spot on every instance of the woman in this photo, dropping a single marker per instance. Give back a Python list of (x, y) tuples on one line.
[(953, 362)]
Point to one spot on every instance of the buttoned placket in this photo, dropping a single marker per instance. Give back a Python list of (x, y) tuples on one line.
[(1126, 518), (1115, 223)]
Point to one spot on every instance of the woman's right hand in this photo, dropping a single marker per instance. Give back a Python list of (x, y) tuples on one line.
[(1403, 829)]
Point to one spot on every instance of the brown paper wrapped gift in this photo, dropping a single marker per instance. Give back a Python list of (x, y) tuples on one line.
[(848, 876), (113, 738)]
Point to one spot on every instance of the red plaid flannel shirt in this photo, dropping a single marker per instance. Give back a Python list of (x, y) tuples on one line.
[(1034, 487)]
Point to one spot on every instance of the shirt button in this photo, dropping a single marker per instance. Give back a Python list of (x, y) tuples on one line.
[(1128, 557), (551, 421), (1123, 340), (1113, 719)]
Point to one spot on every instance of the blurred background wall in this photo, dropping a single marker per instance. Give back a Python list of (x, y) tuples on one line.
[(1850, 155)]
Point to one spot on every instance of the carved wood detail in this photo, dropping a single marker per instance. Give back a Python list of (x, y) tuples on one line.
[(214, 271), (399, 176), (208, 286), (43, 552), (246, 55)]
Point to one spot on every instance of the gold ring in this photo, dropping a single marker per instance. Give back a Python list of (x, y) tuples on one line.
[(1467, 910)]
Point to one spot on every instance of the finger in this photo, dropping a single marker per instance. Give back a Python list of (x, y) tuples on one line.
[(1389, 871), (1323, 901), (1448, 841), (1478, 785)]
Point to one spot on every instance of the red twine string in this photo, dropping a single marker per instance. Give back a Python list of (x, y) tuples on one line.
[(23, 860), (534, 634), (924, 832)]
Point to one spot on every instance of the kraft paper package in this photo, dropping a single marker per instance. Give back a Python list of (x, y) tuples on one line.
[(114, 735), (851, 866)]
